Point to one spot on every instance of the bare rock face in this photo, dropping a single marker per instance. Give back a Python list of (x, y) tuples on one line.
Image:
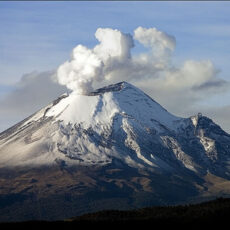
[(115, 148)]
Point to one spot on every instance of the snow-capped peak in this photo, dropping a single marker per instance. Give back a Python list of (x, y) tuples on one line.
[(100, 106), (116, 122)]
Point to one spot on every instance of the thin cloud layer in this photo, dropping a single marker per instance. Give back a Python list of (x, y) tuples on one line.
[(32, 92)]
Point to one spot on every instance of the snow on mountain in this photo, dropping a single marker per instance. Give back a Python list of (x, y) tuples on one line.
[(116, 123), (100, 108)]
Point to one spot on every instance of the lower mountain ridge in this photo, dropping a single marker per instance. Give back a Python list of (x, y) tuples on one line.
[(114, 148)]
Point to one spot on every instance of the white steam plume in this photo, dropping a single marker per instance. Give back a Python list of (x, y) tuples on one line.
[(89, 65), (113, 44), (159, 41), (183, 89), (79, 73), (111, 61)]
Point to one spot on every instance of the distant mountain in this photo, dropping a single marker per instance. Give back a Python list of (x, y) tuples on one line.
[(113, 148)]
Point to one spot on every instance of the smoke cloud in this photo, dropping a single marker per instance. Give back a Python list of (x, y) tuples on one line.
[(31, 93), (181, 89), (91, 65), (79, 73), (161, 44), (111, 61)]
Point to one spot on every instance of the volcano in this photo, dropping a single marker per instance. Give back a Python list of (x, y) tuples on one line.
[(114, 148)]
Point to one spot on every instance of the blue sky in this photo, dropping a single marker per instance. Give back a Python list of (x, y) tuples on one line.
[(40, 35)]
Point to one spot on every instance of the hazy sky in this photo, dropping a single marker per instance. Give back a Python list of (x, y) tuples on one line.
[(37, 37)]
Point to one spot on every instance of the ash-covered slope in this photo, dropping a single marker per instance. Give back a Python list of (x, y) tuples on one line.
[(113, 144)]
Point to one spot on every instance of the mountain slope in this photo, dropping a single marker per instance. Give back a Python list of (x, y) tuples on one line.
[(115, 147)]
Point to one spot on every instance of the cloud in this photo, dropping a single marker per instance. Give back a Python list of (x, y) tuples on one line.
[(178, 88), (183, 88), (161, 43), (90, 65), (191, 74), (32, 92), (79, 73), (113, 44), (111, 61), (220, 115)]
